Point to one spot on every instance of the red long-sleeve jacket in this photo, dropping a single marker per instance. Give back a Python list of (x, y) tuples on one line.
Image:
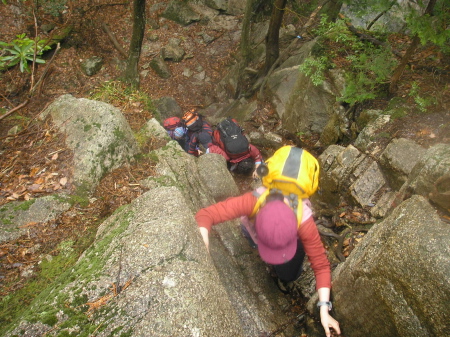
[(236, 207), (253, 153)]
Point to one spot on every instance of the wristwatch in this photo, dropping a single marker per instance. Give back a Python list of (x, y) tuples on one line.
[(330, 306)]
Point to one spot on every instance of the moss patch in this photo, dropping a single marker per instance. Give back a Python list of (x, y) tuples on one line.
[(56, 274), (24, 206)]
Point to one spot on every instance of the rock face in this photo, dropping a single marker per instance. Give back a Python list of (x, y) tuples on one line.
[(160, 265), (404, 168), (398, 275), (15, 216), (148, 272), (97, 133)]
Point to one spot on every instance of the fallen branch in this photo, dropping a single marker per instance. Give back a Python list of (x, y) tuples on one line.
[(380, 15), (41, 79), (20, 106), (114, 40), (340, 239), (369, 38)]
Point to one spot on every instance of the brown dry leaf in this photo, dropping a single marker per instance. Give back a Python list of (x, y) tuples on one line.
[(23, 252), (342, 214), (63, 181), (21, 189), (356, 214), (29, 224), (10, 198), (27, 196), (33, 171), (55, 156), (39, 180), (57, 187), (34, 187)]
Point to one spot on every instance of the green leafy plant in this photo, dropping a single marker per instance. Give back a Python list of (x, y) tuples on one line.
[(53, 7), (21, 51), (422, 102), (367, 66), (314, 67), (370, 68)]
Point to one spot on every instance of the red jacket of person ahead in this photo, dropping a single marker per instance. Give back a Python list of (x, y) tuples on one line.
[(242, 206), (253, 153)]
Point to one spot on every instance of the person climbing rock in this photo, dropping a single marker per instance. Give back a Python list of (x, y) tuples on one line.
[(231, 143), (199, 133), (281, 227)]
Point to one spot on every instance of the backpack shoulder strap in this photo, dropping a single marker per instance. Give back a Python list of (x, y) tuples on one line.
[(261, 193), (292, 200)]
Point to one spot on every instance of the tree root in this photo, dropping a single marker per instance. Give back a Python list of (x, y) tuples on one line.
[(340, 240)]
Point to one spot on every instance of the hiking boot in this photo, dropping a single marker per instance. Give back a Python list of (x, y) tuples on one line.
[(284, 287)]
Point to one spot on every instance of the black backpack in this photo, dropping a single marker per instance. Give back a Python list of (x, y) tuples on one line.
[(233, 138)]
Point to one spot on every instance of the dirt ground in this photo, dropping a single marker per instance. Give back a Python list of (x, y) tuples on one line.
[(36, 162)]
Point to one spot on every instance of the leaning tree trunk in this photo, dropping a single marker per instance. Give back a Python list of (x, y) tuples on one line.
[(244, 46), (273, 34), (409, 52), (131, 72)]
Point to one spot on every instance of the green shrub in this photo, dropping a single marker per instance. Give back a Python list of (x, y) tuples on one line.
[(367, 67), (21, 51), (422, 102)]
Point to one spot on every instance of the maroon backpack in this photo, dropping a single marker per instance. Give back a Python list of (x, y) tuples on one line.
[(171, 123)]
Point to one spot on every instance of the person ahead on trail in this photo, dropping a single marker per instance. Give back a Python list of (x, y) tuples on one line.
[(199, 132), (282, 237), (246, 164), (176, 130), (230, 142)]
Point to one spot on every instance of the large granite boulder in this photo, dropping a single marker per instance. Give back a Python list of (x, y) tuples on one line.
[(98, 134), (395, 283), (148, 272)]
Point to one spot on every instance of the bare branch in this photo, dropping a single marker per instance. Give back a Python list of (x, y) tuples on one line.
[(292, 46), (32, 90), (114, 40), (369, 38), (14, 109)]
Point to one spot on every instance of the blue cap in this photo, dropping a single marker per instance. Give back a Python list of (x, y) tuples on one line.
[(178, 132)]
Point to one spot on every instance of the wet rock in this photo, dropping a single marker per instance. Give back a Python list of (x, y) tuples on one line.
[(402, 263), (398, 160), (92, 65), (160, 67), (180, 12)]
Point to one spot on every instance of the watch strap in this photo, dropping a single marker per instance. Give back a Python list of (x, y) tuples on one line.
[(321, 303)]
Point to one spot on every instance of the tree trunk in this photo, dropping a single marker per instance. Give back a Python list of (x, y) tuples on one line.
[(273, 34), (332, 8), (131, 72), (244, 46), (409, 52)]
